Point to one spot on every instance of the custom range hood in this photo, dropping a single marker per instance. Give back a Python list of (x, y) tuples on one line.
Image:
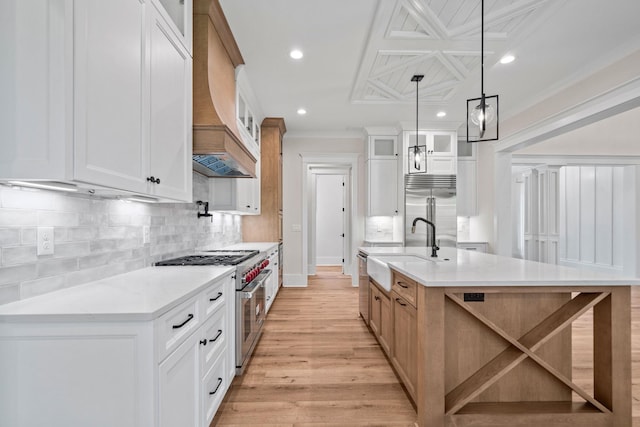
[(218, 150)]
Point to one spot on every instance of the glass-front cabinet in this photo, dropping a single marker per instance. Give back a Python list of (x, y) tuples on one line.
[(441, 149), (178, 13)]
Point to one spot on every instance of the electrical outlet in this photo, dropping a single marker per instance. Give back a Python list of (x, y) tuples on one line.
[(45, 240), (146, 234), (474, 297)]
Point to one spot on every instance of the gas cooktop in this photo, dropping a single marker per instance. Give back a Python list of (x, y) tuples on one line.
[(218, 257)]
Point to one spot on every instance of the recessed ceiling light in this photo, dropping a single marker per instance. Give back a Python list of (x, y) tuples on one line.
[(507, 59), (302, 111), (441, 114), (296, 54)]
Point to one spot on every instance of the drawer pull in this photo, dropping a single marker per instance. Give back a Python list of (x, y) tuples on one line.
[(217, 336), (399, 301), (216, 298), (203, 342), (189, 317), (402, 285), (217, 387)]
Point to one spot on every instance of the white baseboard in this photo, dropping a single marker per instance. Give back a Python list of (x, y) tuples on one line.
[(294, 281), (328, 260)]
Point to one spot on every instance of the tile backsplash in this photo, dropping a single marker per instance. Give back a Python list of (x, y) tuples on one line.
[(95, 238)]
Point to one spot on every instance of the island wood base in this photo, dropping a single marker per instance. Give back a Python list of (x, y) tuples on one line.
[(507, 361)]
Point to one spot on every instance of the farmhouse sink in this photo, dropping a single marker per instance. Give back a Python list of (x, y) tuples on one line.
[(378, 268)]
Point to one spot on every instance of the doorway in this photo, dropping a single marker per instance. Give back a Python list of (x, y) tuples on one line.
[(345, 164), (330, 221)]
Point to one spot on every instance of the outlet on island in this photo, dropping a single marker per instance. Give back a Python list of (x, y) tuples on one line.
[(473, 297)]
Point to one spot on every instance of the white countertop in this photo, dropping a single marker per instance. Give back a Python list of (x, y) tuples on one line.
[(138, 295), (470, 268)]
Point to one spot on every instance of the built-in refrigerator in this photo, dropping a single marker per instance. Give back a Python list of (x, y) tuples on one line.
[(432, 197)]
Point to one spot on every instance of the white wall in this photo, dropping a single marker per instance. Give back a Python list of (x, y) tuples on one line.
[(592, 209), (96, 238), (292, 174), (329, 219), (597, 96)]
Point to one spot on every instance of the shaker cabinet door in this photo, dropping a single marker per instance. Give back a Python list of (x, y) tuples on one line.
[(170, 113), (109, 104), (179, 380)]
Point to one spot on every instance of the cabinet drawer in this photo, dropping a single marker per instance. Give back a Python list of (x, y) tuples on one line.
[(175, 326), (214, 387), (214, 331), (405, 287), (214, 297)]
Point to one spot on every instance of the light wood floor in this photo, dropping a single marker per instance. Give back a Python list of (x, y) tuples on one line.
[(318, 365)]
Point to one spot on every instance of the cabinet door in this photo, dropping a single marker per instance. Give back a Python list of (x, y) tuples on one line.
[(386, 322), (404, 342), (179, 381), (177, 13), (109, 147), (442, 144), (467, 188), (374, 314), (170, 112), (441, 165), (383, 187), (383, 147)]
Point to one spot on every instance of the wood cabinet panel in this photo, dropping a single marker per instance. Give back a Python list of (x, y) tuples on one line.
[(405, 343), (267, 227), (405, 287), (380, 320)]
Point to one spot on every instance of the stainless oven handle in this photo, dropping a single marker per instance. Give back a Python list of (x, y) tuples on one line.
[(249, 291)]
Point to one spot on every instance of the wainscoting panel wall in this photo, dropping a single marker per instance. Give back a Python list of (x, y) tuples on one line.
[(591, 216)]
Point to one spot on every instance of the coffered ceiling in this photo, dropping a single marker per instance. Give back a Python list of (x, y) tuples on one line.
[(437, 38), (359, 55)]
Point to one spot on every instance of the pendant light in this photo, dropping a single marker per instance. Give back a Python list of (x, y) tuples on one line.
[(417, 153), (482, 113)]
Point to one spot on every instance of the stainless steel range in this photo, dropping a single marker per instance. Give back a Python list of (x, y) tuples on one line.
[(251, 274)]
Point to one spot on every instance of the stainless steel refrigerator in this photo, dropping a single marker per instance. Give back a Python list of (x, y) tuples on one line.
[(432, 197)]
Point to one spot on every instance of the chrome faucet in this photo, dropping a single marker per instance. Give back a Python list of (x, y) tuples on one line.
[(434, 247)]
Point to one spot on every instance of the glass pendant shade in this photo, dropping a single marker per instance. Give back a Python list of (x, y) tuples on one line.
[(417, 159), (482, 115), (482, 119)]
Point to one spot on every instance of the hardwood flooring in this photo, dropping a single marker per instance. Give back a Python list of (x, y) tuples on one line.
[(318, 365)]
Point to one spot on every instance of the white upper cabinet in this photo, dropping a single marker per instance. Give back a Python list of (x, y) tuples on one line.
[(382, 147), (248, 115), (109, 94), (382, 186), (441, 148), (100, 96), (236, 195), (170, 113), (179, 16)]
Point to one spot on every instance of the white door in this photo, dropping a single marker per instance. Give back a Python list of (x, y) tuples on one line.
[(330, 234)]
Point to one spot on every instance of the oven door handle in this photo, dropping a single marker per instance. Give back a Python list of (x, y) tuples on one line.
[(249, 291)]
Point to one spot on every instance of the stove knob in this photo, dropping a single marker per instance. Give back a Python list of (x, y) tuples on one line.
[(266, 262)]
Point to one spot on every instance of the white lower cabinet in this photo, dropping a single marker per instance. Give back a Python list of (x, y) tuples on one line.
[(273, 282), (171, 371), (179, 378)]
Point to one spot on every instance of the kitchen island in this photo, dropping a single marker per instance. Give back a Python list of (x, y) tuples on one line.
[(483, 340)]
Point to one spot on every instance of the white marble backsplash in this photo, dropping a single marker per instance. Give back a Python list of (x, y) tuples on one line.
[(96, 238)]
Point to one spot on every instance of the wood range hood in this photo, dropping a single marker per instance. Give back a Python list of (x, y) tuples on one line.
[(218, 150)]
